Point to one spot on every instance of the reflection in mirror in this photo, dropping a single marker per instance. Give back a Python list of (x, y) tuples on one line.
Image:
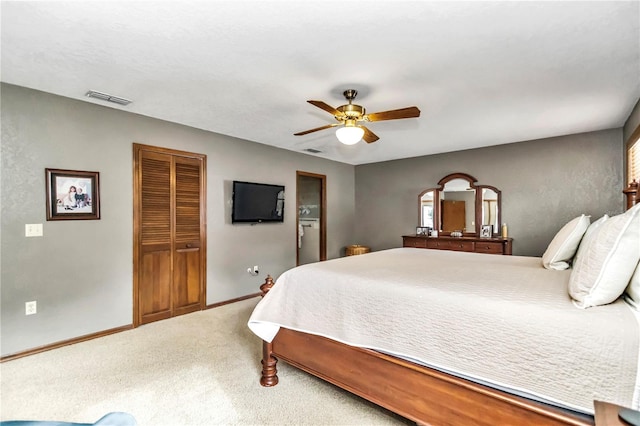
[(490, 209), (458, 208), (457, 185), (426, 209)]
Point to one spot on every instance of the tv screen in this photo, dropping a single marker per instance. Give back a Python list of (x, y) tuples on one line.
[(257, 202)]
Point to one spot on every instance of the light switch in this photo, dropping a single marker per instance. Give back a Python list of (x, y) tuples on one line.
[(33, 230)]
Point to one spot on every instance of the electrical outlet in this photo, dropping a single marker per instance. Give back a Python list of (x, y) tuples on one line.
[(30, 308)]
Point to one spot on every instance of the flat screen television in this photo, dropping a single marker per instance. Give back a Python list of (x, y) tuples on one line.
[(257, 202)]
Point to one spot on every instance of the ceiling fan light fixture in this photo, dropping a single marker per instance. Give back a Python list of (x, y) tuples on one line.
[(350, 135), (351, 114)]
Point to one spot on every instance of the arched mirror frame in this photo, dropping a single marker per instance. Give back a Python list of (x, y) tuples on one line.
[(438, 201), (480, 206), (477, 200), (420, 206)]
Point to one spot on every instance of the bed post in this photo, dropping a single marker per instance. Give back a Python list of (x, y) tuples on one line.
[(266, 286), (269, 372), (632, 194)]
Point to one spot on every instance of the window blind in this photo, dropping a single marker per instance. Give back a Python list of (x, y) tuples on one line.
[(633, 161)]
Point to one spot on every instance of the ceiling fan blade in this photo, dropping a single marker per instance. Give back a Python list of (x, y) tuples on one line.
[(409, 112), (369, 136), (331, 110), (306, 132)]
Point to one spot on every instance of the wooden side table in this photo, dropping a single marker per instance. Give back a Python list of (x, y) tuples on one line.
[(607, 414)]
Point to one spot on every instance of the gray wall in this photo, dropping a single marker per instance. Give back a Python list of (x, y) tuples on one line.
[(632, 122), (544, 183), (80, 272), (630, 126)]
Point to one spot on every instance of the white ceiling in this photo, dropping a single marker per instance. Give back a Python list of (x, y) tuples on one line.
[(482, 73)]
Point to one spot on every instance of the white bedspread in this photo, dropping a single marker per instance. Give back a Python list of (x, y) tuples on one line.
[(504, 320)]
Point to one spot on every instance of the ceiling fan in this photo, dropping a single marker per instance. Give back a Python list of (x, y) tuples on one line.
[(350, 115)]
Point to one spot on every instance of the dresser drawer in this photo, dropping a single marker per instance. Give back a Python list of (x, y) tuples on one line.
[(461, 245), (450, 245), (488, 247), (438, 244), (415, 242)]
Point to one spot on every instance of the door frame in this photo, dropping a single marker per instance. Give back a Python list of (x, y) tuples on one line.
[(323, 213), (137, 219)]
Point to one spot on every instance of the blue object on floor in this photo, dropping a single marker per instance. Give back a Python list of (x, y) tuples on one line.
[(111, 419), (630, 416)]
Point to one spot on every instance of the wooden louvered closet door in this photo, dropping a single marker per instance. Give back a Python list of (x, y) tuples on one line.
[(186, 257), (169, 233)]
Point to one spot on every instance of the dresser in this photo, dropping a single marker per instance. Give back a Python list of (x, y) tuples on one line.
[(468, 244)]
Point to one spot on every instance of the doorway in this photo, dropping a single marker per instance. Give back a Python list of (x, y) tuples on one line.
[(311, 203), (169, 233)]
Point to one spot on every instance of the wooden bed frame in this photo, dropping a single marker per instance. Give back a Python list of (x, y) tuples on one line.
[(421, 394)]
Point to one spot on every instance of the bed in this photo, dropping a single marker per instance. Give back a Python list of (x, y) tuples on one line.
[(452, 338)]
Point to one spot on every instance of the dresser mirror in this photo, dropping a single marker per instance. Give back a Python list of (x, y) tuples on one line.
[(490, 208), (459, 205), (426, 209)]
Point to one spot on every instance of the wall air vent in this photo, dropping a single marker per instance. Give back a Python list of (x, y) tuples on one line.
[(107, 97), (313, 151)]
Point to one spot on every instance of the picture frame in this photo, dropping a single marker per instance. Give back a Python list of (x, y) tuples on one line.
[(422, 230), (72, 194), (486, 231)]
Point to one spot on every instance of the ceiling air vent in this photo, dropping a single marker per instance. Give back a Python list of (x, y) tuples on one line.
[(107, 97), (313, 151)]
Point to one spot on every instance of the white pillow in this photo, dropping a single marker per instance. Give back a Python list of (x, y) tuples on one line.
[(565, 243), (632, 293), (610, 256), (587, 235)]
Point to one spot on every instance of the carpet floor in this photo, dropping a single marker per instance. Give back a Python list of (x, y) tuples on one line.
[(197, 369)]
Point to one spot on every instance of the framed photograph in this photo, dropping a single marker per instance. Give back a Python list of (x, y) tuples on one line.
[(486, 231), (72, 195), (422, 230)]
